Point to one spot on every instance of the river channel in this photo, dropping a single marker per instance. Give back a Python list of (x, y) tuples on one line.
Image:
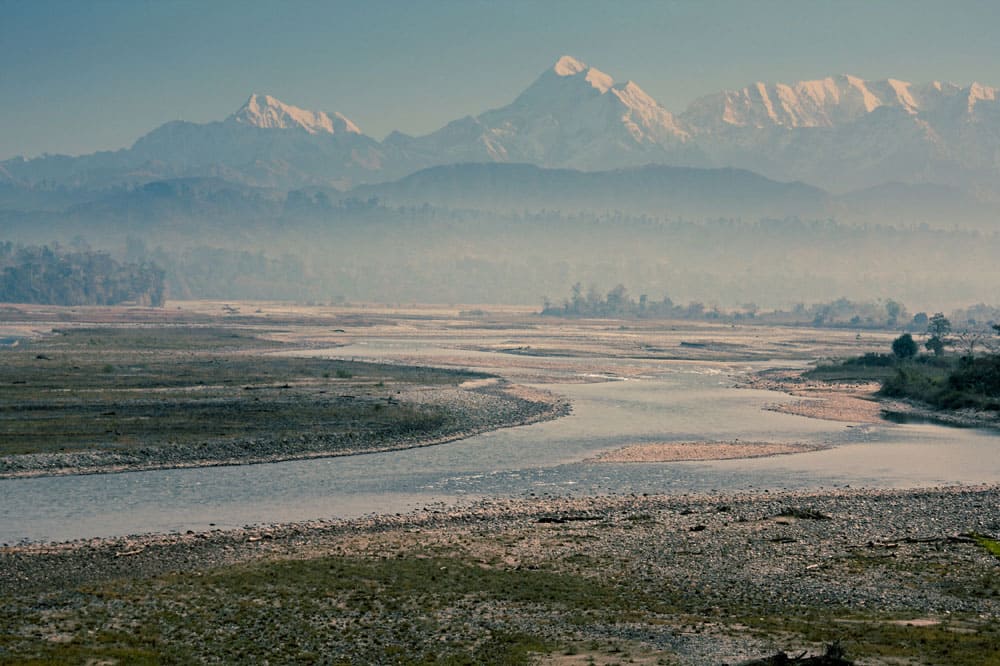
[(676, 401)]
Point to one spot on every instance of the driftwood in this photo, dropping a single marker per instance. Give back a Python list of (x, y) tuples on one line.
[(127, 553), (802, 514), (954, 538), (565, 519)]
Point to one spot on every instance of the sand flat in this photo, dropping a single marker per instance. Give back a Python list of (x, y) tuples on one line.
[(686, 451)]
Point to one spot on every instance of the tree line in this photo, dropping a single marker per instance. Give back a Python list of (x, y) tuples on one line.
[(839, 313), (54, 276)]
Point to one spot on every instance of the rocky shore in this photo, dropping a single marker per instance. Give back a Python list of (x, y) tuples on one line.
[(460, 412), (663, 579)]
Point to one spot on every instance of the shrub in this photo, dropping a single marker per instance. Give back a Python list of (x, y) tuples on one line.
[(977, 375), (904, 347)]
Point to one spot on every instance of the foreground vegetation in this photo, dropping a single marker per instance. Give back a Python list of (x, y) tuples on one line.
[(956, 383), (943, 380), (653, 581)]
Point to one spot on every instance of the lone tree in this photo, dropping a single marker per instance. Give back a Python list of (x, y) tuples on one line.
[(938, 327), (904, 347)]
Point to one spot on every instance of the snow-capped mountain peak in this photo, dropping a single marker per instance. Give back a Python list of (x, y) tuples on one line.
[(842, 132), (265, 111), (644, 117), (573, 115), (903, 94), (825, 102), (577, 88), (568, 66), (980, 93), (830, 102)]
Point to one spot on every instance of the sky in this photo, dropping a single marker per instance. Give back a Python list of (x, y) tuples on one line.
[(87, 75)]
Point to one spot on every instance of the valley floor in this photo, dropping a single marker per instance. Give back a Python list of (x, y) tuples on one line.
[(896, 576)]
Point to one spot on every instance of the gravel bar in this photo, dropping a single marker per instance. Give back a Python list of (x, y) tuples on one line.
[(908, 556)]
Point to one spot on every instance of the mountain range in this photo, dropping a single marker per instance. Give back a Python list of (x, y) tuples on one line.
[(840, 133), (648, 190)]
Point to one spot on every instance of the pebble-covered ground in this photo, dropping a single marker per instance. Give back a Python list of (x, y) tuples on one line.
[(897, 576), (460, 412)]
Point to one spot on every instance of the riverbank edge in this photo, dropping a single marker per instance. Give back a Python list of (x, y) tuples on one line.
[(891, 410), (151, 554), (528, 406)]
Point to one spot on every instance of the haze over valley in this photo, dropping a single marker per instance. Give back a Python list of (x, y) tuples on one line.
[(515, 333), (773, 194)]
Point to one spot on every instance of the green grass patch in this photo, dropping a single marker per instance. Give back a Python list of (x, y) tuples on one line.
[(415, 607), (955, 641), (992, 546), (348, 610)]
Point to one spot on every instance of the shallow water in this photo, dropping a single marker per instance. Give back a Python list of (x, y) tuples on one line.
[(678, 401)]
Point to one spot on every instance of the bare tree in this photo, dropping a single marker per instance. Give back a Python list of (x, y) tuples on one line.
[(967, 339)]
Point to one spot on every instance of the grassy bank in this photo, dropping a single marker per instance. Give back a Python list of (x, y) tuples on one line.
[(947, 382), (954, 383)]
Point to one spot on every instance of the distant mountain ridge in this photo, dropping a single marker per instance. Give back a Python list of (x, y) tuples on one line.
[(847, 133), (840, 133), (826, 102), (264, 111), (651, 189), (572, 116)]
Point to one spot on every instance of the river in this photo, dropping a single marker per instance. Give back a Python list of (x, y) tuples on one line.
[(676, 401)]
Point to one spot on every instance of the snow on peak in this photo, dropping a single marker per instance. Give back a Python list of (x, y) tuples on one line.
[(980, 93), (816, 103), (599, 79), (572, 115), (903, 95), (345, 124), (568, 66), (640, 114), (644, 117), (870, 101), (266, 111)]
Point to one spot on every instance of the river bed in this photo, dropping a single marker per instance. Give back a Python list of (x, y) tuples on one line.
[(676, 401)]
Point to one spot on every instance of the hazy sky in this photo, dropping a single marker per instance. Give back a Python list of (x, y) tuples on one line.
[(85, 75)]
